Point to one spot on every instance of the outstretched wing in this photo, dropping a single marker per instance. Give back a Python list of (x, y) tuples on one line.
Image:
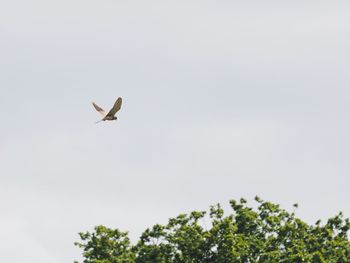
[(100, 110), (116, 107)]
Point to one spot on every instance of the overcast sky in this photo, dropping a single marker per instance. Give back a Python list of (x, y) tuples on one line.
[(221, 100)]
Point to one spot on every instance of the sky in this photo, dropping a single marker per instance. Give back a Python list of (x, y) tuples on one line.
[(221, 100)]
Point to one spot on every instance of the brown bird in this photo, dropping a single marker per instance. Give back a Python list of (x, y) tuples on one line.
[(110, 116)]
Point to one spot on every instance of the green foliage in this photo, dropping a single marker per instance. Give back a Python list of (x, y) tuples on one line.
[(265, 234), (106, 246)]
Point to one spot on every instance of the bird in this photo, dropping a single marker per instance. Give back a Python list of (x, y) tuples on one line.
[(109, 116)]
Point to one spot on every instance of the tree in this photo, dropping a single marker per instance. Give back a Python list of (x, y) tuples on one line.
[(265, 234)]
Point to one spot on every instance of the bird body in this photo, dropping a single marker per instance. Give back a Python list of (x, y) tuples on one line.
[(109, 116)]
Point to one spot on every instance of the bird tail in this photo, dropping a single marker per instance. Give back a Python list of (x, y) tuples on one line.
[(99, 121)]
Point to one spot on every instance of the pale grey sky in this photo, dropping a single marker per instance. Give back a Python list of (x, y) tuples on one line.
[(222, 99)]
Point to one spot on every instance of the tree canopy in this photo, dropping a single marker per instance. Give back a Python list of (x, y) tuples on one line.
[(266, 233)]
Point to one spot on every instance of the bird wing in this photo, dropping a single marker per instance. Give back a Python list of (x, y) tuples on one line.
[(116, 107), (100, 110)]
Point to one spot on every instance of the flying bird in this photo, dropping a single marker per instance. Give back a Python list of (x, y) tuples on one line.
[(109, 116)]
